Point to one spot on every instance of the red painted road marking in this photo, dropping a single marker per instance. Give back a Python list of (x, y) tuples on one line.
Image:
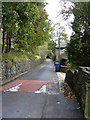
[(27, 85)]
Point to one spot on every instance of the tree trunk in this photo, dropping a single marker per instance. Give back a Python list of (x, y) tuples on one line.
[(3, 42), (9, 39)]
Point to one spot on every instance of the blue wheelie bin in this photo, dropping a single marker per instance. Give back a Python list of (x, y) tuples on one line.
[(57, 67)]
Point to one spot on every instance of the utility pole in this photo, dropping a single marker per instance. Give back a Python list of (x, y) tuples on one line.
[(59, 49), (58, 35), (57, 26)]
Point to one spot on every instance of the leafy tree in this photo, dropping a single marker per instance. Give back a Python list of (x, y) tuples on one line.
[(79, 47), (25, 27), (60, 34), (51, 50)]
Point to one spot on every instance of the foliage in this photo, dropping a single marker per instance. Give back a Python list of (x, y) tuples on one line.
[(66, 11), (25, 27), (43, 51), (51, 48), (60, 32), (79, 47)]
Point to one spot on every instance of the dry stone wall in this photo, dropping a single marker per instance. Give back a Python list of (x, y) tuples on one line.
[(7, 73), (79, 81)]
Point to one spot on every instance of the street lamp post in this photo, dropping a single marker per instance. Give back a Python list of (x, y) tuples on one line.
[(57, 27), (58, 48)]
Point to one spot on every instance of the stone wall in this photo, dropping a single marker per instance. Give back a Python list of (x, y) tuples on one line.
[(79, 81), (63, 68), (17, 69)]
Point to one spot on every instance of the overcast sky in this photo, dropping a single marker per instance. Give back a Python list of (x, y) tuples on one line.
[(53, 9)]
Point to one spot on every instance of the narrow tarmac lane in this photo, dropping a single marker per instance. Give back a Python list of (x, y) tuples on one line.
[(42, 72), (28, 104)]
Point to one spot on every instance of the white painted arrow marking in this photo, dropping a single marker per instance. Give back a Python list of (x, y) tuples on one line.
[(14, 89)]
